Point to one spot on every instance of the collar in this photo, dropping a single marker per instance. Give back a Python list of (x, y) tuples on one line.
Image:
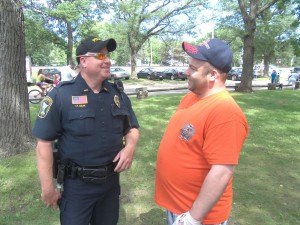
[(85, 89), (105, 86)]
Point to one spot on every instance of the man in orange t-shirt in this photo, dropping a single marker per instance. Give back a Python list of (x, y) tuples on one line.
[(202, 142)]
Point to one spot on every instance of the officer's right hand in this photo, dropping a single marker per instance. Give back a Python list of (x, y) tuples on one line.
[(50, 197)]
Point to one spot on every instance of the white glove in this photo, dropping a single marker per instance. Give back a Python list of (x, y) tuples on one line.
[(186, 219)]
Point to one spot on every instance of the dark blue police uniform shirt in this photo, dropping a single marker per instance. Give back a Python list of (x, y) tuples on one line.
[(89, 127)]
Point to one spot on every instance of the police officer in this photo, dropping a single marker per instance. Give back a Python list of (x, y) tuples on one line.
[(89, 117)]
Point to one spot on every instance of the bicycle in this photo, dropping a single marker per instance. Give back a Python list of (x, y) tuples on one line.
[(36, 95)]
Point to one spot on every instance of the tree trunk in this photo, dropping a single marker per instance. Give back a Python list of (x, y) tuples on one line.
[(248, 55), (133, 64), (267, 60), (15, 128), (70, 60)]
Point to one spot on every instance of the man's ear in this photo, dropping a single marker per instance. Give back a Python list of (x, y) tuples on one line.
[(213, 75)]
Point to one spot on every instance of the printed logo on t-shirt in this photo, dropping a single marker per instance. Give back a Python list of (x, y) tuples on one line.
[(187, 132)]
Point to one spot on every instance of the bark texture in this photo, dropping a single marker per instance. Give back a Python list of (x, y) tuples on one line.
[(15, 128)]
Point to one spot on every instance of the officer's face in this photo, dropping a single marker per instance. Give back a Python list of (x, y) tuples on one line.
[(94, 65)]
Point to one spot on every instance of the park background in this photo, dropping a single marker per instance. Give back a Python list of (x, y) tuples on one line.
[(264, 32)]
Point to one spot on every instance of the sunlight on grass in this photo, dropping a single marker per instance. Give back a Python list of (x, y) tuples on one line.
[(266, 184)]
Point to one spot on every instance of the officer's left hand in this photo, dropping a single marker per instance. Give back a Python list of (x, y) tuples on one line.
[(124, 159)]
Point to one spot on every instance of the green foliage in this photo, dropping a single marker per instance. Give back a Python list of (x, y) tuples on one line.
[(133, 23), (274, 29), (139, 20), (61, 19), (266, 180), (273, 36), (38, 40)]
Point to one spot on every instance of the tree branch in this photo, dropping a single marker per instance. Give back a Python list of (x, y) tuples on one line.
[(266, 6)]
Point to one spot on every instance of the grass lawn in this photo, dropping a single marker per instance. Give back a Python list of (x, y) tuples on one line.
[(266, 184)]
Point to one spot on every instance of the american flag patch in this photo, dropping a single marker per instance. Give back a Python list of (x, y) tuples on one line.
[(79, 100)]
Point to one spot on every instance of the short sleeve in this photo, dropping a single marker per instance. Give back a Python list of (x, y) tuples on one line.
[(48, 123), (225, 131), (133, 122), (224, 141)]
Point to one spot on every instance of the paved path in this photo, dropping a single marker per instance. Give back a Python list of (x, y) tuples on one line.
[(130, 88)]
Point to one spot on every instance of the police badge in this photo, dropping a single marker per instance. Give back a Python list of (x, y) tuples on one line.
[(117, 101), (187, 132)]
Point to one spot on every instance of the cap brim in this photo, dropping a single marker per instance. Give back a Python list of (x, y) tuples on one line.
[(193, 51), (110, 44)]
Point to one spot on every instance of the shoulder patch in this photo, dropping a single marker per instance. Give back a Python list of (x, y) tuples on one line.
[(45, 106)]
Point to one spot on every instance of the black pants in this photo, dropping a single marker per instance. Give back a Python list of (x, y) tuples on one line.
[(87, 203)]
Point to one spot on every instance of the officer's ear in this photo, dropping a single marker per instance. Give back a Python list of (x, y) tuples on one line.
[(83, 62)]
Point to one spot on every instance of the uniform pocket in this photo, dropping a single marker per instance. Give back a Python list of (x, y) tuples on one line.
[(120, 116), (81, 122)]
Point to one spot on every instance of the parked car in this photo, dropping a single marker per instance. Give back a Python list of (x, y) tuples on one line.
[(235, 74), (118, 73), (150, 74), (171, 74), (297, 69), (174, 74), (182, 73), (50, 72)]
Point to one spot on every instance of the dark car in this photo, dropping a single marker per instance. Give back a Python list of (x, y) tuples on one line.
[(297, 69), (50, 72), (150, 74), (174, 74), (235, 74), (182, 73)]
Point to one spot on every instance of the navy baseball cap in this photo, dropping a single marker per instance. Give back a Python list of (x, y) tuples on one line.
[(95, 44), (214, 51)]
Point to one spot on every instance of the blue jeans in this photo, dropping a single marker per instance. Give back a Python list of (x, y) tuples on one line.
[(171, 217)]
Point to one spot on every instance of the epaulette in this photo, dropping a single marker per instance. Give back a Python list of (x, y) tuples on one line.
[(63, 83), (118, 84)]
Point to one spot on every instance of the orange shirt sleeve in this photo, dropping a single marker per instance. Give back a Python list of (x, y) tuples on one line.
[(226, 131)]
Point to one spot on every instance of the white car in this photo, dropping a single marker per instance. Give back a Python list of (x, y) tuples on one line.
[(118, 73)]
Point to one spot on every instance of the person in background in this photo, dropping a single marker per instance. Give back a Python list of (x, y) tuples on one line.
[(202, 142), (90, 118), (42, 81), (56, 80), (273, 76)]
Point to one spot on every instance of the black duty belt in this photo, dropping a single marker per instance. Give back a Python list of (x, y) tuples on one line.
[(93, 174)]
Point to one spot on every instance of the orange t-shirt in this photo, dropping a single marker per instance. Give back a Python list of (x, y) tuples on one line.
[(201, 133)]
